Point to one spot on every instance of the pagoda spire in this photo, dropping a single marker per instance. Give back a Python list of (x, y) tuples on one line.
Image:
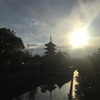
[(50, 48), (50, 38)]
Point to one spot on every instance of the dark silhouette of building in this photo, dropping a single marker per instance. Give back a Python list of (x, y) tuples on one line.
[(50, 48), (55, 62)]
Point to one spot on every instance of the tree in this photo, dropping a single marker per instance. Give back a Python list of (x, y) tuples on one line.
[(89, 77), (11, 46)]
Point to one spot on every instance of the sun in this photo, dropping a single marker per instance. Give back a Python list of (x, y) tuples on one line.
[(79, 38)]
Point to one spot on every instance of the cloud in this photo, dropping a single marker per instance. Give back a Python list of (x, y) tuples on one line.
[(35, 20)]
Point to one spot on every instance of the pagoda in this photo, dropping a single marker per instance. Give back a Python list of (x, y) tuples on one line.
[(50, 48)]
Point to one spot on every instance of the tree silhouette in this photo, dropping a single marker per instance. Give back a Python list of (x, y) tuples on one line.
[(11, 46), (89, 76)]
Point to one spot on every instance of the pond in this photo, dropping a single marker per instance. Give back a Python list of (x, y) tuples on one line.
[(38, 94), (52, 87)]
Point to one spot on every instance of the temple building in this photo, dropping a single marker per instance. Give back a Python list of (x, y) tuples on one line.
[(50, 48), (55, 62)]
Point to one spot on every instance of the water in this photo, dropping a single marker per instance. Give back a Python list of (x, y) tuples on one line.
[(57, 94), (74, 83), (51, 88), (44, 87), (41, 86)]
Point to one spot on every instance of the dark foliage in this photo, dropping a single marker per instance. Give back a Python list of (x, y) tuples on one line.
[(89, 76), (11, 46)]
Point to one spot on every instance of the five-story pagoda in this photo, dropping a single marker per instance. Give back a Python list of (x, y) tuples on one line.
[(50, 47)]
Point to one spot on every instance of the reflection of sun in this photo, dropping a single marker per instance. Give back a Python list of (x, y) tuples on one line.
[(79, 38), (75, 83)]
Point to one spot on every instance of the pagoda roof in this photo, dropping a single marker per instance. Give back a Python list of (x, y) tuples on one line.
[(61, 57), (47, 52), (50, 44), (50, 49)]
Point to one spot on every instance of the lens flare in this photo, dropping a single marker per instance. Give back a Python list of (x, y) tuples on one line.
[(79, 38)]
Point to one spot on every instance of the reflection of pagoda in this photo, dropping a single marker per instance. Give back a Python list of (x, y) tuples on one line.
[(50, 48)]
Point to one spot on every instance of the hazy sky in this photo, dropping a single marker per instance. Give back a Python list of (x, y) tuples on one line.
[(35, 20)]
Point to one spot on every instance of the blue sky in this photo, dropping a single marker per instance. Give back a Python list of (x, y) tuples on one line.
[(35, 20)]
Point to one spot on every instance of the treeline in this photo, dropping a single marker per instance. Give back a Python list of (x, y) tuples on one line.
[(16, 63), (12, 49), (89, 76), (15, 60)]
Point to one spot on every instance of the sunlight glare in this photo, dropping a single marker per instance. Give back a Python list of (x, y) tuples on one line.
[(79, 38)]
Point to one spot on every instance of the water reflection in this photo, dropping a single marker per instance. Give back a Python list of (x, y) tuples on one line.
[(57, 94), (53, 87), (75, 83)]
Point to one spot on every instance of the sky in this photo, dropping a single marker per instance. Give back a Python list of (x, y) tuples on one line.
[(34, 21)]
